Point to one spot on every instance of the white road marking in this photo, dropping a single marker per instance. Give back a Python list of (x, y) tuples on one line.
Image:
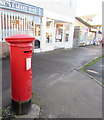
[(93, 71)]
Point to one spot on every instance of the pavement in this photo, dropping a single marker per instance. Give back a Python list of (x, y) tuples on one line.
[(59, 88)]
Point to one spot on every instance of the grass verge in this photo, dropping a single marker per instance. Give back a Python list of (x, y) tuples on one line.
[(91, 63), (82, 69)]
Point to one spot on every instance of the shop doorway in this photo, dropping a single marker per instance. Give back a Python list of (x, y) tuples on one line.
[(37, 32), (37, 36)]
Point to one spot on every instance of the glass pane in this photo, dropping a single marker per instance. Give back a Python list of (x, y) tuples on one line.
[(49, 30), (66, 32), (59, 32)]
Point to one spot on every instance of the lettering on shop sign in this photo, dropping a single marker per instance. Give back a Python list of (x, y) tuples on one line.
[(22, 7)]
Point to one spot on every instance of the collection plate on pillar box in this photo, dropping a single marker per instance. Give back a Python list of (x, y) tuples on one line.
[(28, 63)]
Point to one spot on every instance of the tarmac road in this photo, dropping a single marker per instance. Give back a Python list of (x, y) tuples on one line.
[(59, 89)]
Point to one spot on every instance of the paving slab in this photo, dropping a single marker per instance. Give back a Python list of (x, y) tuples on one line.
[(73, 95)]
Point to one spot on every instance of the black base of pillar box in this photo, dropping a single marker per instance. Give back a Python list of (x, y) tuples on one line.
[(21, 107)]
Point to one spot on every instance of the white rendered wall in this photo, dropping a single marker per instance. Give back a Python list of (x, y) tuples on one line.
[(63, 7)]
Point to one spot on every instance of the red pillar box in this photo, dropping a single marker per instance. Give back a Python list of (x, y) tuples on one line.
[(21, 72)]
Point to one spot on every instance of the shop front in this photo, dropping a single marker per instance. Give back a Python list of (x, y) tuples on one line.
[(19, 18)]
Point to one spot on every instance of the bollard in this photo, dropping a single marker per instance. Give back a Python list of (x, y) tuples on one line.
[(21, 72)]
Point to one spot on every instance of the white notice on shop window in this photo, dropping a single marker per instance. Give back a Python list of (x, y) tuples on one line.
[(28, 63)]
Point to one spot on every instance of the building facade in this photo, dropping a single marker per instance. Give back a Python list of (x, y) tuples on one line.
[(86, 33), (50, 22)]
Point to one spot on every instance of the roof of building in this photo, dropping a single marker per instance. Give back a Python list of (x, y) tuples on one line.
[(83, 22), (88, 18), (94, 20)]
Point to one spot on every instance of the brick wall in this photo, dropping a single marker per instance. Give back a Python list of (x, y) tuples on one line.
[(4, 49)]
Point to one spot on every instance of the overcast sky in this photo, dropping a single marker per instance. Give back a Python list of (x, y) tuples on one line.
[(87, 7)]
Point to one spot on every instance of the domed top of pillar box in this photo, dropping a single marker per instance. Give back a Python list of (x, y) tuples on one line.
[(20, 38)]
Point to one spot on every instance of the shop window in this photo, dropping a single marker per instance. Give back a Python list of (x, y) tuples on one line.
[(49, 30), (15, 23), (66, 33), (83, 34), (37, 30), (59, 32), (19, 23)]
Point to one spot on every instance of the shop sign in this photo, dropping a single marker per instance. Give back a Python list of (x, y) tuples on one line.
[(22, 7)]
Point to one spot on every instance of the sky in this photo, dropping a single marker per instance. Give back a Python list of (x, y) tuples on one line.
[(88, 7)]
